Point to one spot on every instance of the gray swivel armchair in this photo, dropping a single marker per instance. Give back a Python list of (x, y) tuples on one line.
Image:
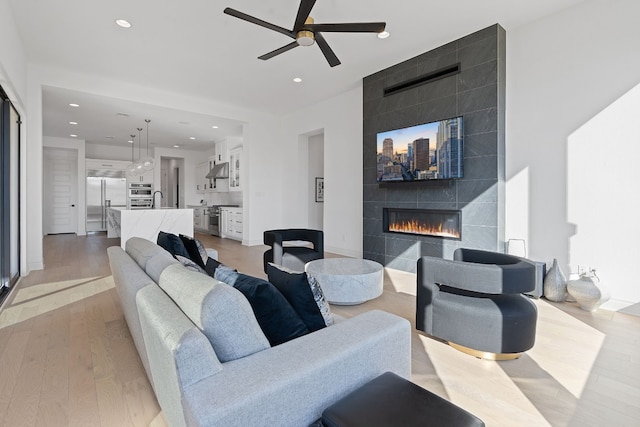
[(293, 257), (475, 302)]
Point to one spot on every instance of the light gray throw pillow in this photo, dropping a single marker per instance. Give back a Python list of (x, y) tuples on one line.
[(222, 313)]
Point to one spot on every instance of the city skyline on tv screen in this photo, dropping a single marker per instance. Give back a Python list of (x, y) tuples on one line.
[(423, 152)]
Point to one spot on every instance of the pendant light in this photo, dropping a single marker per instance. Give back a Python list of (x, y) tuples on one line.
[(147, 162), (139, 166), (132, 170)]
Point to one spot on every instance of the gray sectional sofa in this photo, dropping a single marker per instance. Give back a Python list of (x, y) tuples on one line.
[(210, 364)]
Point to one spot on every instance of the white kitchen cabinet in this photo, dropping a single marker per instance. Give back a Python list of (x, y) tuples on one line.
[(235, 162), (202, 182), (221, 154), (231, 220), (105, 165), (146, 177)]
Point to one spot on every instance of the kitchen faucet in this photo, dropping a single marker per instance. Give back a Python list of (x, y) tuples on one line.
[(153, 203)]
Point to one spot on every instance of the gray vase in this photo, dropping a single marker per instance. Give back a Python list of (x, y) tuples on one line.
[(555, 284)]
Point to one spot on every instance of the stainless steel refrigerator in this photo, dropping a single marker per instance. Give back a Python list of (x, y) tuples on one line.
[(103, 192)]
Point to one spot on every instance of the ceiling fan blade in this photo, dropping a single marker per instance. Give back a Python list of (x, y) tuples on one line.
[(353, 27), (303, 13), (260, 22), (278, 51), (332, 59)]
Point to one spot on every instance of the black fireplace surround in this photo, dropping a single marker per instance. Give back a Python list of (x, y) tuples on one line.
[(476, 92)]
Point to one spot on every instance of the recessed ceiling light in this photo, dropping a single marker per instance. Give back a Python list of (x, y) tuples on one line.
[(184, 123), (122, 114), (74, 105), (297, 79), (109, 137), (176, 146), (73, 135), (383, 35), (123, 23), (73, 123), (192, 137), (130, 141), (214, 127)]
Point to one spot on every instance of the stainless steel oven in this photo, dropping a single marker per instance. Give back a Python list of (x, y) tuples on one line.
[(140, 195), (214, 218)]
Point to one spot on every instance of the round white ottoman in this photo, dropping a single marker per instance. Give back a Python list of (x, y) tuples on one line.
[(347, 281)]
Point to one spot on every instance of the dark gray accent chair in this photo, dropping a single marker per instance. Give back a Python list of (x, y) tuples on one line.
[(475, 300), (293, 257)]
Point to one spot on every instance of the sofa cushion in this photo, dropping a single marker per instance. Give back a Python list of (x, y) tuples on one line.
[(304, 294), (142, 250), (157, 263), (222, 313), (277, 318), (173, 244)]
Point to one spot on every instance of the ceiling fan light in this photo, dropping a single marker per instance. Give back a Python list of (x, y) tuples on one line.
[(305, 38)]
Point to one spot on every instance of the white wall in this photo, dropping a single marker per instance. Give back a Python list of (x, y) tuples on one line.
[(572, 141), (315, 161), (341, 120), (13, 65)]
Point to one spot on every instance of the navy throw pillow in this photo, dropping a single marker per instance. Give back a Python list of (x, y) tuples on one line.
[(172, 244), (299, 291), (277, 319)]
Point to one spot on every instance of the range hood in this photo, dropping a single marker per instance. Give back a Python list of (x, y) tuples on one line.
[(220, 171)]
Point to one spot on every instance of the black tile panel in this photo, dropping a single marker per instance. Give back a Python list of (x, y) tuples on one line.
[(485, 167), (482, 98), (473, 38), (438, 109), (480, 144), (402, 246), (481, 121), (478, 76), (372, 210), (372, 227), (429, 63), (477, 53), (374, 244), (439, 194), (477, 190)]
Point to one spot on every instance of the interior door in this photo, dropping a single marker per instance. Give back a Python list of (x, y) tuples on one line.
[(61, 189)]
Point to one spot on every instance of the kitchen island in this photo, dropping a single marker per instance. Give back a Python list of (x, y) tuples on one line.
[(148, 223)]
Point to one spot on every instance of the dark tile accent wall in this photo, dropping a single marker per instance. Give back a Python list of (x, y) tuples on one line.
[(478, 94)]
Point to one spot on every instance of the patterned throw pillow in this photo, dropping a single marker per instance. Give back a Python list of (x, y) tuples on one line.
[(304, 294), (190, 265), (196, 250)]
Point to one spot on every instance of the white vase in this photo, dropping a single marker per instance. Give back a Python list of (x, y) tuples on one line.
[(555, 284), (588, 291)]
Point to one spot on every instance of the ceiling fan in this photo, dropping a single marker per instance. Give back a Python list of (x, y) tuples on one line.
[(305, 32)]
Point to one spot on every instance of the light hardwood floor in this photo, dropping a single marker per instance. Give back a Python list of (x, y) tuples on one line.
[(66, 356)]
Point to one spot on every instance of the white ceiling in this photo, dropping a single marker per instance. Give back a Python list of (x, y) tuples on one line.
[(191, 47)]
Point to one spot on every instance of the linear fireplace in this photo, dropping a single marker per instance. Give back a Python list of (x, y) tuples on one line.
[(423, 222)]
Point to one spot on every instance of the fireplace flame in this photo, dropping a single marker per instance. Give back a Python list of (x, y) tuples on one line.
[(416, 227)]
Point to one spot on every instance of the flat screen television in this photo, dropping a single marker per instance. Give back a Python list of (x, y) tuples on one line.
[(424, 152)]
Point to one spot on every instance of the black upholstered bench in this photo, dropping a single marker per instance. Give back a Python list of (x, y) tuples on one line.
[(390, 400)]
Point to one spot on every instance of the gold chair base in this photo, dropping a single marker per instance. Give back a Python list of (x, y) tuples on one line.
[(484, 354)]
